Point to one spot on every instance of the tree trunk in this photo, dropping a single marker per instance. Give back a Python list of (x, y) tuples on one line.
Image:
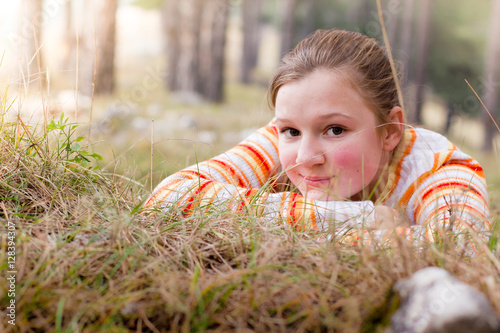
[(251, 37), (30, 30), (86, 50), (288, 26), (69, 40), (364, 9), (105, 46), (405, 37), (196, 36), (97, 74), (422, 55), (392, 29), (171, 22), (404, 56), (309, 17), (188, 78), (450, 114), (213, 49), (490, 93)]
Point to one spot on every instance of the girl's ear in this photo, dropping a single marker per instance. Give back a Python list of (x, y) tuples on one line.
[(394, 130)]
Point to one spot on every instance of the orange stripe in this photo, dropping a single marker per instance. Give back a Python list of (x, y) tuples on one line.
[(264, 164), (162, 193), (216, 193), (239, 175), (272, 135), (244, 158), (224, 169), (399, 167), (411, 189), (313, 215), (197, 193), (451, 186), (474, 167), (267, 154), (291, 215), (193, 172), (244, 200)]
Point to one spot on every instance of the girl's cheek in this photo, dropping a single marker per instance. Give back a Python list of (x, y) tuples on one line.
[(347, 158), (357, 162), (287, 155)]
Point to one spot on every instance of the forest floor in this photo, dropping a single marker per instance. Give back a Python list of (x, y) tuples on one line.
[(84, 258)]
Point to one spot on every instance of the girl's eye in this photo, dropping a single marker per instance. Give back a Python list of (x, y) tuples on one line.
[(290, 132), (335, 130)]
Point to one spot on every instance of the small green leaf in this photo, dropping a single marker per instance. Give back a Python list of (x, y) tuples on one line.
[(59, 314), (52, 126), (96, 156)]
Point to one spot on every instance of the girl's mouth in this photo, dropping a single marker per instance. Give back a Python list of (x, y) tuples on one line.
[(317, 181)]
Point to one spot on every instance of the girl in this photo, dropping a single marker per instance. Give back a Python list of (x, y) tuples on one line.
[(339, 138)]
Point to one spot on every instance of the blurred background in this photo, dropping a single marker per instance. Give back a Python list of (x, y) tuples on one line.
[(161, 84)]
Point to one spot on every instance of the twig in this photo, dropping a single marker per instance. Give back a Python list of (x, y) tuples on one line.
[(484, 106), (93, 83), (77, 72), (152, 150)]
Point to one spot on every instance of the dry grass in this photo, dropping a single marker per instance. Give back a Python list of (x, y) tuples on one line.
[(87, 260)]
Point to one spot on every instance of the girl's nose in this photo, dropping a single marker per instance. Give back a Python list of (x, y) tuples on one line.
[(309, 153)]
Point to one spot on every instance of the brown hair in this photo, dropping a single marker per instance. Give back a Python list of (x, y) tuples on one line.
[(357, 57)]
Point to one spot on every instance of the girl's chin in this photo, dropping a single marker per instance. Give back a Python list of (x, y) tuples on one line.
[(320, 195)]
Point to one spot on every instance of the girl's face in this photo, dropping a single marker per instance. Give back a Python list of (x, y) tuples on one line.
[(329, 143)]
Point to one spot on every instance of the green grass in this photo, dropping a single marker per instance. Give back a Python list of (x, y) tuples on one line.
[(88, 260)]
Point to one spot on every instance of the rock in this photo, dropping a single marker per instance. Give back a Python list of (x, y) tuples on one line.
[(187, 97), (115, 114), (120, 109), (155, 110), (434, 301), (187, 121), (141, 124)]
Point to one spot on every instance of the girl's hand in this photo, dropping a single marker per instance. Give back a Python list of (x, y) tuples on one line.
[(387, 218)]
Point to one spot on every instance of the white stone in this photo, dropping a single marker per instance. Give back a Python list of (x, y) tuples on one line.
[(434, 301)]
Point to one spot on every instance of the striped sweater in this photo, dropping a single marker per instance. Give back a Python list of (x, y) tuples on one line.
[(440, 189)]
